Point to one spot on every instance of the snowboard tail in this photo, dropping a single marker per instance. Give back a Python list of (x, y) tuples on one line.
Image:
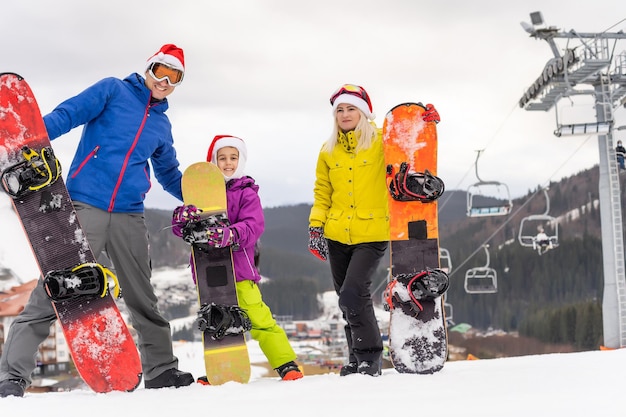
[(100, 343), (418, 339)]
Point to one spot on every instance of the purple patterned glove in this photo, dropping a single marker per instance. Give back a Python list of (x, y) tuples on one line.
[(219, 237), (183, 215)]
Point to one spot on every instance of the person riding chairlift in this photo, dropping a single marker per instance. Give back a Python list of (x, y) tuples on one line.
[(541, 241)]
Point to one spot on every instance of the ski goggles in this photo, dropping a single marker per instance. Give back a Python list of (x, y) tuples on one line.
[(352, 89), (162, 72)]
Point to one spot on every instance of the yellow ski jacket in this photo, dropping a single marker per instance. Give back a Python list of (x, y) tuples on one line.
[(350, 193)]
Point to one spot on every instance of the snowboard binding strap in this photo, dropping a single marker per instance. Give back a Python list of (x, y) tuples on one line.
[(195, 232), (414, 186), (36, 171), (221, 320), (425, 285), (90, 280)]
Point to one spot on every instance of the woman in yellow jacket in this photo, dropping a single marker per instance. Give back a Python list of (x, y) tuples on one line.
[(349, 220)]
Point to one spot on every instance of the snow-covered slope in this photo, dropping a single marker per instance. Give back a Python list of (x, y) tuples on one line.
[(572, 385)]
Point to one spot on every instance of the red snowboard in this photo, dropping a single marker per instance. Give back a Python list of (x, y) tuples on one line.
[(100, 343)]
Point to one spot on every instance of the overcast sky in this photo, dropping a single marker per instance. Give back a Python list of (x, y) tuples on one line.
[(264, 71)]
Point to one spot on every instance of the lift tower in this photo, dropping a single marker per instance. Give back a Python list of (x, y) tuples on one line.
[(590, 68)]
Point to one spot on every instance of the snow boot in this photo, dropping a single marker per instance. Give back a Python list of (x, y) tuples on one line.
[(371, 368), (203, 380), (12, 387), (289, 371), (349, 369), (170, 378)]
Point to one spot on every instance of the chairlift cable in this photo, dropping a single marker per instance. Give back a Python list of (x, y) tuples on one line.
[(612, 26), (485, 242), (443, 201), (528, 200)]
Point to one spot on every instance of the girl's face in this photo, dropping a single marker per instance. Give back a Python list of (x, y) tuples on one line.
[(228, 160), (347, 116)]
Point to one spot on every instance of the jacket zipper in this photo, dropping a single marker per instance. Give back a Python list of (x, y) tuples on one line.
[(127, 157), (250, 264), (91, 154)]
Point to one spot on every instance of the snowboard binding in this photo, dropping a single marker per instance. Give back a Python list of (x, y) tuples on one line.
[(90, 280), (36, 171), (414, 186), (221, 320), (425, 285), (196, 232)]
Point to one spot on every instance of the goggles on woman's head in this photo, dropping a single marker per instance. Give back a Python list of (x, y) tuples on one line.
[(162, 72), (352, 89)]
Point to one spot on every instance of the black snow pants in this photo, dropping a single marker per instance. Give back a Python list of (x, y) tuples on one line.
[(352, 268)]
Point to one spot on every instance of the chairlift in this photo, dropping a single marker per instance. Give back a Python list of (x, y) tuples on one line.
[(445, 262), (448, 312), (539, 231), (482, 279), (488, 198)]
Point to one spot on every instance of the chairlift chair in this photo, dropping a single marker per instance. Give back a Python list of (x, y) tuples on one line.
[(448, 312), (445, 262), (488, 198), (529, 227), (482, 279)]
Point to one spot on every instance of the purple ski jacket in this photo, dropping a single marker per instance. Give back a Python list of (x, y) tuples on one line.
[(246, 218)]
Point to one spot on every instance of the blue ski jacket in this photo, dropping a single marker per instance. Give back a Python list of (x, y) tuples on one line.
[(122, 131)]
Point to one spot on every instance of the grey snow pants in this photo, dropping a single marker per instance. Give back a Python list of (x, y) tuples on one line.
[(124, 237)]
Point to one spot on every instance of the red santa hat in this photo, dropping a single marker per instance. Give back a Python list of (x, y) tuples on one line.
[(223, 141), (355, 95), (170, 55)]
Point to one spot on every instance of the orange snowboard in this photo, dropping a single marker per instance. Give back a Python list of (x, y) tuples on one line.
[(407, 138), (417, 333)]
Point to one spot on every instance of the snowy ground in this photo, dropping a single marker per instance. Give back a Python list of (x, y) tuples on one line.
[(572, 384)]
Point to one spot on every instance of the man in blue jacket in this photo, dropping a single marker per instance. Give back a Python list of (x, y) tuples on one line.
[(124, 126)]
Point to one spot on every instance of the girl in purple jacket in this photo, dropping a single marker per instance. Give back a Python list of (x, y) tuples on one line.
[(247, 223)]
